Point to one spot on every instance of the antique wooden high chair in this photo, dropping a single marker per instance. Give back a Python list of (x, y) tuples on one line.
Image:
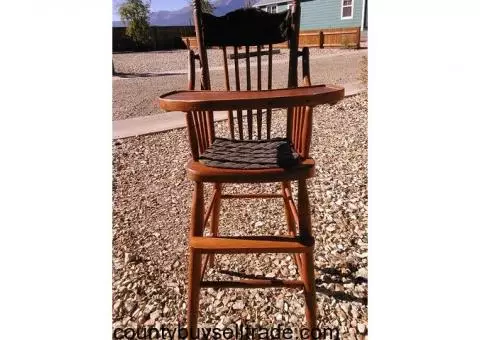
[(250, 156)]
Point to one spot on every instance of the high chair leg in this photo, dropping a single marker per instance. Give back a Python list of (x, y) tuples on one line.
[(308, 271), (195, 263), (215, 217)]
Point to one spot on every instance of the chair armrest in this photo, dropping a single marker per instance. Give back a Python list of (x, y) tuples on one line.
[(242, 100)]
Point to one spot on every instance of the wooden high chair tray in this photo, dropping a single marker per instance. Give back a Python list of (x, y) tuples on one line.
[(240, 100)]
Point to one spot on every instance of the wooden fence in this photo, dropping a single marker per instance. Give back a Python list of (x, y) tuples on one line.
[(330, 37), (179, 37), (161, 38)]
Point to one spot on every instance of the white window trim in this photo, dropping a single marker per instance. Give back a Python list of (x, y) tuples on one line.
[(274, 6), (341, 10)]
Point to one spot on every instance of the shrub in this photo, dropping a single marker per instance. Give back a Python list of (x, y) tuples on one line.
[(136, 14)]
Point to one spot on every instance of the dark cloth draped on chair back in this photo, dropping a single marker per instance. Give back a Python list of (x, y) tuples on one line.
[(246, 27)]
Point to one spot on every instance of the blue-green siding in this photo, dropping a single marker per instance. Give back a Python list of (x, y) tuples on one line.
[(325, 14)]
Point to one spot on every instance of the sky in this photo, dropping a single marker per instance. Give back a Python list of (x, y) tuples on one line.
[(155, 5)]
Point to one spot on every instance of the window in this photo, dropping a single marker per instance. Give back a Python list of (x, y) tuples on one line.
[(347, 9), (289, 6), (272, 9)]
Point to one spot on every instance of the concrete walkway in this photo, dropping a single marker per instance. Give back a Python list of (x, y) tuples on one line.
[(173, 120)]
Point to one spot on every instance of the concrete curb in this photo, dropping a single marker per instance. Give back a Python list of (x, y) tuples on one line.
[(145, 125)]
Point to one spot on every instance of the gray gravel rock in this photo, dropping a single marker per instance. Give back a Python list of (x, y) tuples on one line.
[(238, 305), (151, 209), (361, 328), (148, 75)]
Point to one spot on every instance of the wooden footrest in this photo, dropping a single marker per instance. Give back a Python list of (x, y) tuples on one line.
[(252, 244)]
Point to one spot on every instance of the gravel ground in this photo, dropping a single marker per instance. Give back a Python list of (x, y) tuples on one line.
[(151, 207), (135, 95), (176, 60)]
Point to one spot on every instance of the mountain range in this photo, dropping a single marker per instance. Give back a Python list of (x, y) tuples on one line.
[(183, 16)]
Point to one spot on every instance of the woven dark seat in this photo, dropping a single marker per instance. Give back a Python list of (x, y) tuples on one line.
[(250, 154)]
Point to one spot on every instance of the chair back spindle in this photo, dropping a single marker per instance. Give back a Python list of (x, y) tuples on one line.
[(200, 131), (250, 30)]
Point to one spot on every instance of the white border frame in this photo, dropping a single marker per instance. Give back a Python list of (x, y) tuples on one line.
[(341, 10), (413, 163)]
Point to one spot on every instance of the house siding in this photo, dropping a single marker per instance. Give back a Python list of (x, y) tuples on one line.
[(325, 14)]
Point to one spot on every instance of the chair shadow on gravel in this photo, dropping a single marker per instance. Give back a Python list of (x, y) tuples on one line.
[(337, 278), (342, 296), (247, 276), (146, 75)]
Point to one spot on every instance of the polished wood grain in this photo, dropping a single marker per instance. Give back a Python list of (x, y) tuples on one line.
[(295, 31), (231, 124), (192, 135), (242, 100), (291, 215), (307, 269), (198, 107), (306, 66), (251, 244), (215, 198), (197, 171), (194, 268), (197, 19), (269, 87), (237, 87), (249, 87), (215, 216), (259, 88), (191, 70)]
